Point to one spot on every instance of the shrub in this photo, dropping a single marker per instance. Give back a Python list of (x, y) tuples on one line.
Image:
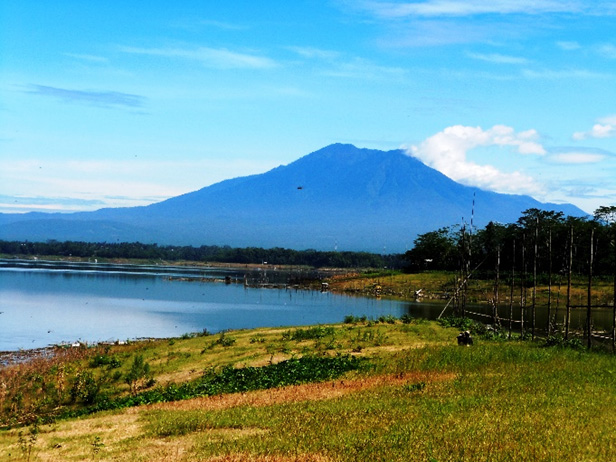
[(312, 333), (350, 319), (105, 360), (139, 374), (224, 340), (85, 388), (559, 341), (389, 319)]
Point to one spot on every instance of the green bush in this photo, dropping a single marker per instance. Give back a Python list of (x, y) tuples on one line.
[(85, 388), (139, 374), (559, 341), (224, 340), (105, 360), (230, 380), (312, 333)]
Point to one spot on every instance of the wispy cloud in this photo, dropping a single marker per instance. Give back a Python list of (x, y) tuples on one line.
[(108, 99), (82, 184), (196, 24), (497, 58), (219, 58), (458, 8), (447, 151), (439, 32), (221, 25), (568, 45), (19, 204), (314, 53), (88, 58), (559, 74), (607, 50), (604, 128), (577, 155), (360, 68)]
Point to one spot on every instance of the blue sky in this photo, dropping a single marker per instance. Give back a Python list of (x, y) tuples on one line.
[(107, 104)]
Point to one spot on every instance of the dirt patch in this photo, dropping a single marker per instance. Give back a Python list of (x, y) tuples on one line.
[(297, 393)]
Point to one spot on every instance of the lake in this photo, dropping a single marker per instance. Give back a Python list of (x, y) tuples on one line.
[(43, 303)]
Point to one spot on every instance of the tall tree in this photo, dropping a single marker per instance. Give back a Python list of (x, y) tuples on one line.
[(607, 216)]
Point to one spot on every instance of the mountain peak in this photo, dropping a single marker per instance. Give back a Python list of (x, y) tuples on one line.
[(340, 196)]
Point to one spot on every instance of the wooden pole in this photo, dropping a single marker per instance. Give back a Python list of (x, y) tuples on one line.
[(549, 326), (589, 300), (496, 283), (465, 263), (534, 306), (512, 288), (614, 300), (568, 315), (523, 286)]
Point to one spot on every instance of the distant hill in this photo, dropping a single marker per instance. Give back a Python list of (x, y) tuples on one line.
[(337, 197)]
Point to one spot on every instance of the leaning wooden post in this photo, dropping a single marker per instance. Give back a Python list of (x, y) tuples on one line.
[(589, 300), (568, 315)]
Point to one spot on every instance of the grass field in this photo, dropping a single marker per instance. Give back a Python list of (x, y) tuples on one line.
[(414, 396)]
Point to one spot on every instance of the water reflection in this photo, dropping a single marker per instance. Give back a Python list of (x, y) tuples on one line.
[(44, 306)]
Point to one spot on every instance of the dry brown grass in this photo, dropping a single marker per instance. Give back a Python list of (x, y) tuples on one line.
[(276, 458), (297, 393)]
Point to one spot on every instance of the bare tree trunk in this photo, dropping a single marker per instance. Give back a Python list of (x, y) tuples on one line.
[(467, 269), (589, 300), (523, 286), (512, 289), (534, 306), (568, 315), (496, 283), (614, 301), (549, 326)]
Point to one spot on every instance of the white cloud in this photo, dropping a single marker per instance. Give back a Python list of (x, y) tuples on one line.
[(434, 8), (604, 128), (315, 53), (563, 74), (91, 184), (220, 58), (578, 157), (446, 151), (359, 68), (108, 99), (86, 57), (498, 58), (568, 45), (608, 50)]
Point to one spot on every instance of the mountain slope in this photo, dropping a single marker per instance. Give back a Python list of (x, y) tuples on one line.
[(339, 196)]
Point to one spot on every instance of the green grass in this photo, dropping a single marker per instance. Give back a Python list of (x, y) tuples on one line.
[(435, 401), (507, 402)]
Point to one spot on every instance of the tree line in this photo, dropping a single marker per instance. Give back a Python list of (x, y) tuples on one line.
[(545, 241), (222, 254), (539, 248)]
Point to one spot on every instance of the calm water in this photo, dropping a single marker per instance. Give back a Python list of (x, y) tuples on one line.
[(48, 303), (42, 306)]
